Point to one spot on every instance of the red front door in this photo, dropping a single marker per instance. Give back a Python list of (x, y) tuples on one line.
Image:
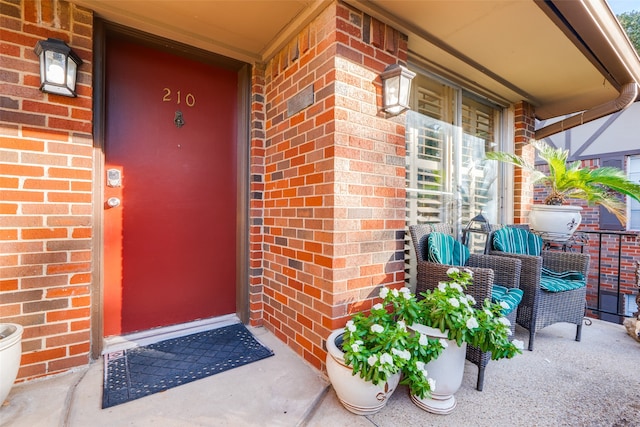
[(170, 243)]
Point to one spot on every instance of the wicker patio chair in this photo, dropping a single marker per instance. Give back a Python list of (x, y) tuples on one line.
[(487, 271), (540, 307)]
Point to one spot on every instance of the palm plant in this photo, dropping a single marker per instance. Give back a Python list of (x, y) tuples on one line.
[(598, 186)]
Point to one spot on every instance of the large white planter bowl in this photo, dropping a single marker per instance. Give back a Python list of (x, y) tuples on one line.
[(10, 354), (447, 370), (356, 395), (555, 222)]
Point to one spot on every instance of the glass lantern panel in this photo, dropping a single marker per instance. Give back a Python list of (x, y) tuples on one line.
[(71, 75), (392, 91), (54, 67)]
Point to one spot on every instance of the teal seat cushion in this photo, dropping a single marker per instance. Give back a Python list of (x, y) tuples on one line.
[(517, 241), (510, 296), (444, 249), (554, 284)]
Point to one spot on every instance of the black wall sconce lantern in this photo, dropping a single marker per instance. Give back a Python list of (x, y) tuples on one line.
[(396, 88), (58, 67)]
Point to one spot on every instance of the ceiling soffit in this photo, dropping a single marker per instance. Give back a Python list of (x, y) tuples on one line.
[(505, 50), (247, 30)]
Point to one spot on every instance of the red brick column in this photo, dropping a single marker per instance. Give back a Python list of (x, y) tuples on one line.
[(256, 208), (46, 158), (334, 178), (523, 190)]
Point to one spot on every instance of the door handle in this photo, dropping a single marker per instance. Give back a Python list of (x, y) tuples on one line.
[(113, 202)]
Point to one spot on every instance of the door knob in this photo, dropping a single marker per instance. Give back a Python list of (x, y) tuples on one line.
[(113, 202)]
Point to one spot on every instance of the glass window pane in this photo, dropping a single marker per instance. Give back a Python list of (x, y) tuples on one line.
[(634, 205), (447, 178)]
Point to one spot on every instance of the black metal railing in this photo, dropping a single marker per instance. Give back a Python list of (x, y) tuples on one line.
[(614, 272)]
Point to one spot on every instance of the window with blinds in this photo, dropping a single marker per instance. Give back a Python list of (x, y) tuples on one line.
[(634, 205), (447, 178)]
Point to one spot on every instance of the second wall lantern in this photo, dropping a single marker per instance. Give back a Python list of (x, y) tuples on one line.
[(396, 88), (58, 67)]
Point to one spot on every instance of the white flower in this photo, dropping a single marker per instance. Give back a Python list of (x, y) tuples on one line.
[(402, 354), (395, 293), (432, 384), (456, 286), (402, 325), (372, 360), (350, 326), (406, 295), (420, 365), (355, 347), (377, 307), (489, 313), (443, 286), (405, 290), (424, 340), (471, 300), (424, 373), (454, 302), (464, 301), (377, 328), (504, 304), (469, 272), (509, 332), (472, 323), (452, 270), (385, 358), (384, 291), (519, 344), (504, 321), (444, 343)]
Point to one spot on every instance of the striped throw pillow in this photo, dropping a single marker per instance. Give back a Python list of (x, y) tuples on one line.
[(566, 275), (444, 249), (517, 241)]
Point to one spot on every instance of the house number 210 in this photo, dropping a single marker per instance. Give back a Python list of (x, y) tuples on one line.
[(189, 99)]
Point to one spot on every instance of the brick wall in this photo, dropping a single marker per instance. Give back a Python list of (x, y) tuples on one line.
[(333, 179), (46, 159)]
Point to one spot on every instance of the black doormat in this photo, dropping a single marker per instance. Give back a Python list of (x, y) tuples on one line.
[(141, 371)]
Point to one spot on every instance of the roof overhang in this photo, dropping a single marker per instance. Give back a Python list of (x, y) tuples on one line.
[(562, 57)]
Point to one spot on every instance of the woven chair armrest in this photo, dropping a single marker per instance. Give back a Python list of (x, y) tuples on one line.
[(530, 272), (506, 270), (431, 274), (566, 261)]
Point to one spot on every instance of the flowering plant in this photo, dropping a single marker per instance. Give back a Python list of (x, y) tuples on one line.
[(379, 344), (382, 343), (449, 309)]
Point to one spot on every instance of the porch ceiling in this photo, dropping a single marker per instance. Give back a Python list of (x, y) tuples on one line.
[(560, 56)]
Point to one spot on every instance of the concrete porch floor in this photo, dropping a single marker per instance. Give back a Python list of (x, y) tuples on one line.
[(595, 382)]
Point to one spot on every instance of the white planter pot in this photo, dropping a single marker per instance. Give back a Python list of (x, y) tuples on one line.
[(447, 370), (356, 395), (555, 222), (10, 355)]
